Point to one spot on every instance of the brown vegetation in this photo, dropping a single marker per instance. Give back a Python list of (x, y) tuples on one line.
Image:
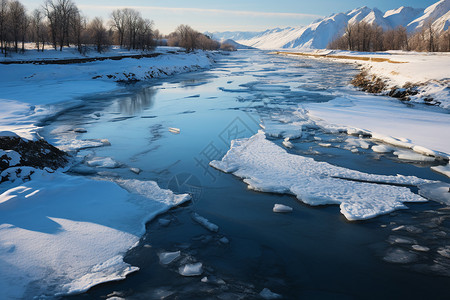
[(365, 37)]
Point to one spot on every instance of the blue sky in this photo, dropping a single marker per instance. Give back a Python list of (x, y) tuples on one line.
[(231, 15)]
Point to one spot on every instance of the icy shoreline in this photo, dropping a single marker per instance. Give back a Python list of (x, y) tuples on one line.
[(399, 71), (34, 92)]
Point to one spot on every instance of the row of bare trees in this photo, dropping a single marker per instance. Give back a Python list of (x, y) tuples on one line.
[(61, 24), (190, 39), (365, 37)]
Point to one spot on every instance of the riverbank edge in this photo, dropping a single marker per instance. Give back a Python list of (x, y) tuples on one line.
[(373, 83)]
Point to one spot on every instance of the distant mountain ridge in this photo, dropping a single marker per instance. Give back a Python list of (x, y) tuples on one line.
[(320, 33)]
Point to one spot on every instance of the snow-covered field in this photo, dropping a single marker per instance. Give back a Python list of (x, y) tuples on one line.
[(61, 234), (31, 92)]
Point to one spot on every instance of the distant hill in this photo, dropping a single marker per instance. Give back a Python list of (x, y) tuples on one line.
[(320, 33)]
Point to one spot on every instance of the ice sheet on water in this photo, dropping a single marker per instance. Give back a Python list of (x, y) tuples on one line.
[(275, 128), (445, 170), (267, 167), (75, 145), (439, 192), (413, 156)]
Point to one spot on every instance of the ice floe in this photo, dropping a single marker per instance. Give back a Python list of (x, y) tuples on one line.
[(75, 145), (174, 130), (382, 148), (275, 128), (400, 256), (269, 295), (205, 222), (167, 257), (286, 143), (439, 192), (191, 269), (420, 248), (444, 170), (102, 162), (413, 156), (280, 208), (267, 167)]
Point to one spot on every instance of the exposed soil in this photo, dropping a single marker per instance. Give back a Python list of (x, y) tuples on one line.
[(38, 154)]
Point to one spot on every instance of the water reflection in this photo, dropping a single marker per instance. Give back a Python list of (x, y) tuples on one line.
[(138, 102)]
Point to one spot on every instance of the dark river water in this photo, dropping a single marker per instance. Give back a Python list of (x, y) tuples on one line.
[(311, 253)]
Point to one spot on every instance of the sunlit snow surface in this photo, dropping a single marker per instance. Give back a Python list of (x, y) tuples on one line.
[(266, 167), (65, 234)]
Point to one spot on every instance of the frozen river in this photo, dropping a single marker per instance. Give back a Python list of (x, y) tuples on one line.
[(312, 252)]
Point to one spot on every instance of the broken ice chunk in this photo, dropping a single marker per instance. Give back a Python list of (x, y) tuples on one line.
[(174, 130), (412, 156), (445, 251), (287, 143), (205, 222), (136, 170), (382, 149), (224, 240), (280, 208), (103, 162), (268, 294), (444, 170), (191, 269), (420, 248), (167, 257), (164, 222), (399, 256)]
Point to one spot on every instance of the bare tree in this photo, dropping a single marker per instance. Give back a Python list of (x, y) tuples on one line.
[(3, 24), (187, 37), (98, 34), (77, 28), (118, 21), (59, 14), (19, 23), (38, 28)]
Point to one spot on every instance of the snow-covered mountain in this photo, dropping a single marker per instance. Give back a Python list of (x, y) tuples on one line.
[(321, 32)]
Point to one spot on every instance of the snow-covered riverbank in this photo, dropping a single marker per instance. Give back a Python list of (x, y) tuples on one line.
[(426, 72), (31, 92), (386, 119)]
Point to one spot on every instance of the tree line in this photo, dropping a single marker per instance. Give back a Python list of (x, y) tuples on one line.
[(59, 24), (365, 37)]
